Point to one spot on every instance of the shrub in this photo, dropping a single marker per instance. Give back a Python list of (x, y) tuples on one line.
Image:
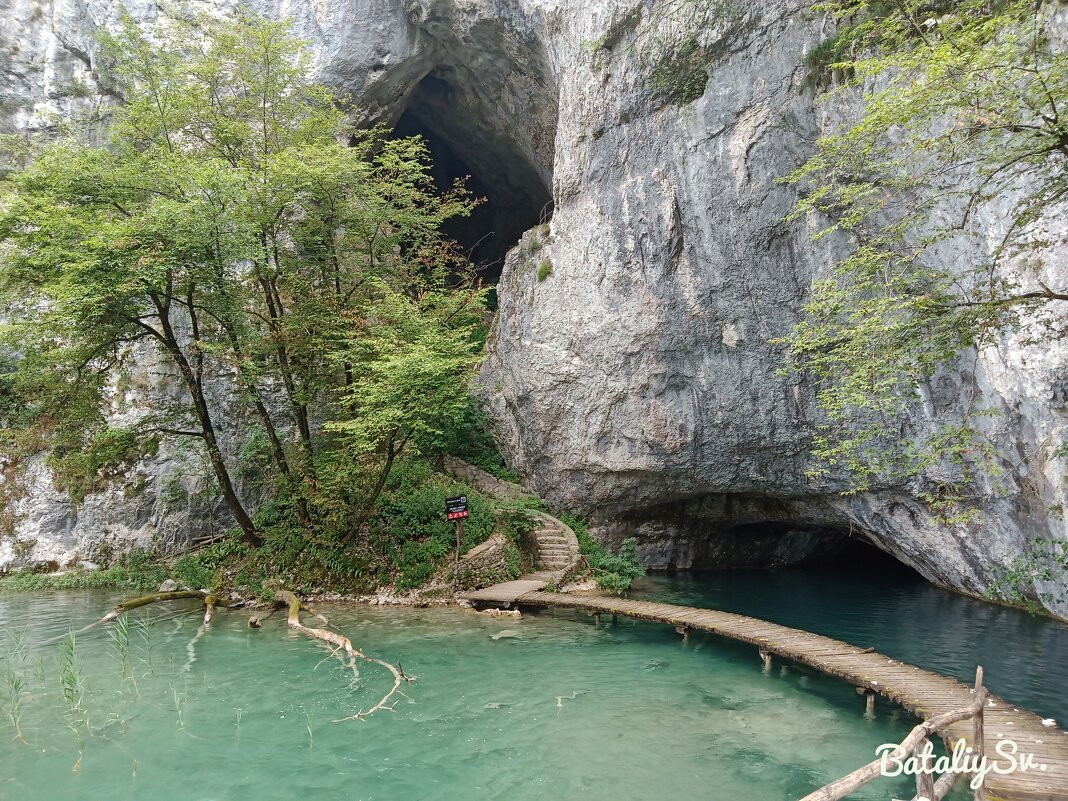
[(682, 77), (469, 439), (613, 572), (409, 531), (545, 269)]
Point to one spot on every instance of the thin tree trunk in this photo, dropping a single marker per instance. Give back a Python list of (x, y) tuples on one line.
[(200, 406), (277, 450), (393, 450), (300, 410)]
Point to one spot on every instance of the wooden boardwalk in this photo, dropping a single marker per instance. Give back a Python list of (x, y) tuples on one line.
[(921, 692)]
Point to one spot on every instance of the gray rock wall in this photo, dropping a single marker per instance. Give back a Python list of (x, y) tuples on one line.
[(635, 383)]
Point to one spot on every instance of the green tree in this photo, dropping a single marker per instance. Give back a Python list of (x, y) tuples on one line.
[(233, 222), (415, 364), (963, 107)]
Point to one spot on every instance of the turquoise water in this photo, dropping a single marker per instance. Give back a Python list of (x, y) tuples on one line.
[(1025, 657), (546, 707)]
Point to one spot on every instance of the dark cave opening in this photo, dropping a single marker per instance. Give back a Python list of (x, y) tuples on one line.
[(736, 531), (771, 544), (464, 143)]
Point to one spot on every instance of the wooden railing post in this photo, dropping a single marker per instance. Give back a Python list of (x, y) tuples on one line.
[(925, 788), (979, 734), (869, 700)]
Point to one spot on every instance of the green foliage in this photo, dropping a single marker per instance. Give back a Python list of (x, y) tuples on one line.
[(107, 453), (409, 532), (518, 521), (173, 496), (407, 542), (255, 462), (545, 269), (225, 224), (11, 404), (12, 679), (612, 572), (415, 364), (672, 44), (190, 571), (1047, 561), (468, 438), (961, 107), (138, 570)]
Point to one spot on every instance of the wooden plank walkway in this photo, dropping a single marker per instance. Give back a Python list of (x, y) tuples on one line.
[(921, 692), (506, 593)]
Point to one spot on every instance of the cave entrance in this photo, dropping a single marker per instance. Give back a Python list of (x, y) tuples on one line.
[(724, 532), (776, 544), (467, 141)]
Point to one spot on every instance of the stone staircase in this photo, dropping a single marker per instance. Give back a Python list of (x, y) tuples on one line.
[(556, 544), (555, 547)]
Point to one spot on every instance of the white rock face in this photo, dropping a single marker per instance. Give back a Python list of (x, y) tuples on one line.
[(635, 383)]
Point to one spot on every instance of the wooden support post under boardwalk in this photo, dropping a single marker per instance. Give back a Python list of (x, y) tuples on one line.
[(597, 619), (869, 701), (685, 632), (765, 657)]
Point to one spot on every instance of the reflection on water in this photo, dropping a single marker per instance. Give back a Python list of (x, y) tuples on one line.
[(1025, 657), (546, 707)]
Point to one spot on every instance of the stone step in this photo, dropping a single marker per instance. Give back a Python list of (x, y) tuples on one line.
[(555, 551), (561, 540)]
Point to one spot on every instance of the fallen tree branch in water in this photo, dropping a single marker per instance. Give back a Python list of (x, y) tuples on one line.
[(341, 642), (282, 599), (122, 608), (135, 603), (209, 608)]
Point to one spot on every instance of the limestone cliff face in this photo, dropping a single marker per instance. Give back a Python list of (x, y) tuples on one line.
[(634, 382)]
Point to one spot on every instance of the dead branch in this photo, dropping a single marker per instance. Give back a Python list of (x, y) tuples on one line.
[(209, 608), (282, 599), (341, 642), (135, 603), (914, 740)]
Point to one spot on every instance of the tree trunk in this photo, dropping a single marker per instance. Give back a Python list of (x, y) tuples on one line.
[(200, 406), (300, 410), (393, 450), (277, 450)]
